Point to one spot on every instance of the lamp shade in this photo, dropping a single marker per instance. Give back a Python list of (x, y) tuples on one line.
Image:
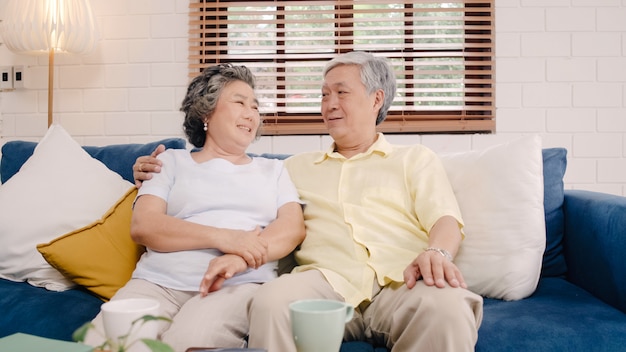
[(38, 26)]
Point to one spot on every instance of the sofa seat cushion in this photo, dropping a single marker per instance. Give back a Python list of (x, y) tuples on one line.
[(360, 346), (37, 311), (560, 316)]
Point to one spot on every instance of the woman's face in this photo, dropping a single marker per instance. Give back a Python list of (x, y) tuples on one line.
[(236, 118)]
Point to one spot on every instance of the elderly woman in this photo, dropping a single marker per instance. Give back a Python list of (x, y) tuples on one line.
[(214, 220)]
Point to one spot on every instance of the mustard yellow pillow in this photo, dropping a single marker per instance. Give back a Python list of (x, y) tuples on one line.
[(101, 256)]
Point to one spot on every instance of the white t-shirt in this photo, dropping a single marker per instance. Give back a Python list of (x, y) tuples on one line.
[(216, 193)]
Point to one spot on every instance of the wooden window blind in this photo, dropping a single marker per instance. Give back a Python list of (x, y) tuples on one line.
[(442, 52)]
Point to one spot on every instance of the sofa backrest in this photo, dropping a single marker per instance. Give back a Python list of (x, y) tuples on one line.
[(117, 157), (121, 157), (554, 165)]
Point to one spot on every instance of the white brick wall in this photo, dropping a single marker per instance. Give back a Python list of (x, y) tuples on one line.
[(561, 73)]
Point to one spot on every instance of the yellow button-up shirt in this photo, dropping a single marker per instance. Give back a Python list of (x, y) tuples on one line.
[(368, 217)]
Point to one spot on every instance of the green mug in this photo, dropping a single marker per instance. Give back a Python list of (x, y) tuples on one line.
[(318, 324)]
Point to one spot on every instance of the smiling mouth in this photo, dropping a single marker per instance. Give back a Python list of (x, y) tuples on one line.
[(245, 128)]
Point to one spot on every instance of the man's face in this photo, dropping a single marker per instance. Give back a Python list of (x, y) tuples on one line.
[(348, 111)]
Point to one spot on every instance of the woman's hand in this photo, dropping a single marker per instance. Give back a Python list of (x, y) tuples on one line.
[(152, 227), (221, 269), (249, 245), (145, 165)]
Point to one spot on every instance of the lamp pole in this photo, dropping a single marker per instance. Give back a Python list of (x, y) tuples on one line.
[(50, 84)]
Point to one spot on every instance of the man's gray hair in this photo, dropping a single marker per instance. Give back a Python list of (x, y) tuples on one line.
[(376, 73)]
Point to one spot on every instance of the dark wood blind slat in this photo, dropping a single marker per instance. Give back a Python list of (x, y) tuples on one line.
[(442, 52)]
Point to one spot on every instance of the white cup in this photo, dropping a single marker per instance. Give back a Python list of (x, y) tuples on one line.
[(118, 316), (318, 324)]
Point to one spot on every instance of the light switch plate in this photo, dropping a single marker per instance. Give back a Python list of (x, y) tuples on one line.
[(6, 77), (18, 77)]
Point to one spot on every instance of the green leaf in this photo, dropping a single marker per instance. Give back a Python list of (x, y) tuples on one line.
[(80, 333), (157, 346), (148, 317)]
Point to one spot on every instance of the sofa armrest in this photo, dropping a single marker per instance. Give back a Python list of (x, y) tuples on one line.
[(595, 244)]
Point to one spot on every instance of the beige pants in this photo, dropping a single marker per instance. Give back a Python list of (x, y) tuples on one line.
[(217, 320), (423, 318)]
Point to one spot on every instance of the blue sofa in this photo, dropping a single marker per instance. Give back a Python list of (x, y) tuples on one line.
[(579, 304)]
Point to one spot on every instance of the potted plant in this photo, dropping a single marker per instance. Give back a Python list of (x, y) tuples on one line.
[(124, 342)]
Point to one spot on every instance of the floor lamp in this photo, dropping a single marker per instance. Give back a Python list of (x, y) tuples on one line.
[(49, 27)]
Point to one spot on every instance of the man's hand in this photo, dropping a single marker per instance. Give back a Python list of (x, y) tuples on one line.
[(145, 165), (249, 245), (220, 269), (434, 269)]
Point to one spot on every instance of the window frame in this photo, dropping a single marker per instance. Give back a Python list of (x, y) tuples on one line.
[(209, 44)]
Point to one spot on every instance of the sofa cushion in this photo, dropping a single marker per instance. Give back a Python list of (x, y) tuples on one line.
[(60, 188), (500, 193), (360, 346), (37, 311), (554, 165), (559, 316), (101, 256)]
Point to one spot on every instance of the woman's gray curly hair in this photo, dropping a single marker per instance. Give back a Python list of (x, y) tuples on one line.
[(202, 95)]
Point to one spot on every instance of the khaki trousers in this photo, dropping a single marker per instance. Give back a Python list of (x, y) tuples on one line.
[(217, 320), (424, 318)]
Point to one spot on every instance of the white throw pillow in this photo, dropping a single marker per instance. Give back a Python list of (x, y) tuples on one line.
[(60, 188), (500, 193)]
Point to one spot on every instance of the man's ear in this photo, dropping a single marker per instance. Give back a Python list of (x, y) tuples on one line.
[(379, 99)]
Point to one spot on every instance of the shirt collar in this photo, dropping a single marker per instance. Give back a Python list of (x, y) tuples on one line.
[(380, 146)]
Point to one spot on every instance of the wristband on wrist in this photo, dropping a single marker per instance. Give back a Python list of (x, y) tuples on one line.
[(441, 251)]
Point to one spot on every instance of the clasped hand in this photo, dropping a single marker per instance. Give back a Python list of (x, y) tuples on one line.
[(249, 245), (242, 250), (434, 269)]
